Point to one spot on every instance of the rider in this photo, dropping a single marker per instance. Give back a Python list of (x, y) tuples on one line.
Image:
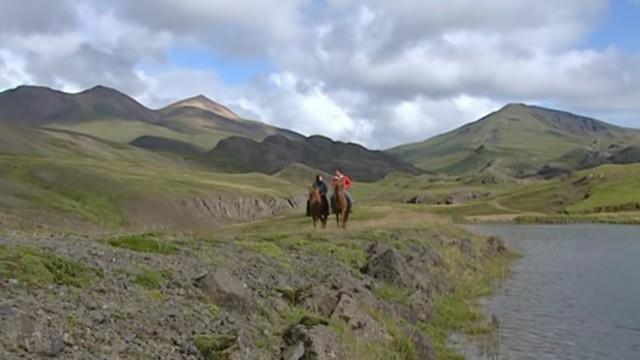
[(321, 186), (346, 181)]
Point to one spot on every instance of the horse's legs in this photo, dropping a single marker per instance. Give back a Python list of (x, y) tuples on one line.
[(338, 218)]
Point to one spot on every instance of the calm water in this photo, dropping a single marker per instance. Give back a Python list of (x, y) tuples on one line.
[(575, 293)]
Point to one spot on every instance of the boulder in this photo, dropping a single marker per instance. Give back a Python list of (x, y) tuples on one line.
[(495, 245), (349, 311), (317, 342), (387, 264), (226, 290)]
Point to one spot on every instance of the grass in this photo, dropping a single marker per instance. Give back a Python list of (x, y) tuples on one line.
[(145, 243), (459, 311), (149, 278), (211, 346), (391, 293), (35, 267), (266, 248)]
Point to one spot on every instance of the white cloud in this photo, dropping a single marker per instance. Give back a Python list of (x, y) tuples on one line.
[(381, 72)]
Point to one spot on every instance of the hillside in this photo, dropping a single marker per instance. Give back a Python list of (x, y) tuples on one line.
[(276, 152), (65, 180), (516, 140), (109, 114)]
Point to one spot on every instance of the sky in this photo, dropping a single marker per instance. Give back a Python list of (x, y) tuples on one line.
[(377, 72)]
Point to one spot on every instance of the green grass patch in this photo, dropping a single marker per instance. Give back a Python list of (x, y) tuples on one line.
[(214, 311), (149, 278), (459, 311), (351, 254), (34, 267), (608, 218), (211, 346), (266, 248), (145, 243), (391, 293)]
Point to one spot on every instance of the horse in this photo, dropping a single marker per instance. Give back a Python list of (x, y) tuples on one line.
[(341, 205), (316, 207)]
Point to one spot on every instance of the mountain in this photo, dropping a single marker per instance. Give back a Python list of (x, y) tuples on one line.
[(517, 140), (276, 152), (112, 115), (202, 117), (205, 104), (34, 105)]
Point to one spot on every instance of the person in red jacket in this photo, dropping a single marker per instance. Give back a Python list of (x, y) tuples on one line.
[(347, 182)]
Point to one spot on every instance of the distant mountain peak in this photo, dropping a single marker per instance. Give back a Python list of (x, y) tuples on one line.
[(515, 105), (204, 103), (102, 90)]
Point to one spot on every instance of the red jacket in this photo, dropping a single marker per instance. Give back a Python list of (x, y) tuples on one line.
[(346, 181)]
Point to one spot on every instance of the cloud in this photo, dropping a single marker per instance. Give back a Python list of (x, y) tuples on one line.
[(378, 72)]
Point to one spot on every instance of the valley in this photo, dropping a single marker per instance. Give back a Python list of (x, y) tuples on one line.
[(179, 233)]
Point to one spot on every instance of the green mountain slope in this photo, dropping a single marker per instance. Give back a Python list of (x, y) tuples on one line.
[(516, 140), (109, 114), (66, 180)]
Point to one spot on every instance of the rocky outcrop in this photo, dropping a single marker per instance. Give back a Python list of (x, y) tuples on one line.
[(237, 295), (226, 290), (205, 212), (387, 264), (310, 342)]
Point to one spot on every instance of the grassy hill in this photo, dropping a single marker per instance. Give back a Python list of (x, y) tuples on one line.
[(109, 114), (607, 193), (516, 140), (63, 179)]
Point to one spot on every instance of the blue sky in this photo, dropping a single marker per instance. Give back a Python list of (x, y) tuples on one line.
[(231, 69), (620, 27)]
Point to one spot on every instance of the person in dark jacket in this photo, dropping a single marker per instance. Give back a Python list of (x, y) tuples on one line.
[(321, 186)]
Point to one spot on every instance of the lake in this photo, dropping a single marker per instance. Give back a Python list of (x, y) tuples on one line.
[(575, 293)]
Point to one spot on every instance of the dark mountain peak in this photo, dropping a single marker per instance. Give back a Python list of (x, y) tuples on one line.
[(203, 103), (102, 91), (35, 105), (276, 152), (30, 88)]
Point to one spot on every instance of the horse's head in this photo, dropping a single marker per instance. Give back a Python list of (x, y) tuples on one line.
[(338, 187)]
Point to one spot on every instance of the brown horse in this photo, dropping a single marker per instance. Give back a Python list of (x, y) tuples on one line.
[(316, 207), (341, 205)]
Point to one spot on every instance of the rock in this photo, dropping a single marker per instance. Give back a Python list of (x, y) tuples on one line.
[(321, 301), (349, 311), (293, 352), (68, 339), (423, 346), (99, 317), (416, 199), (226, 290), (496, 245), (387, 264), (319, 342), (56, 346), (465, 247), (6, 310)]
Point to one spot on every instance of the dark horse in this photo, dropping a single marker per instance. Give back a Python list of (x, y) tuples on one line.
[(341, 206), (316, 207)]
